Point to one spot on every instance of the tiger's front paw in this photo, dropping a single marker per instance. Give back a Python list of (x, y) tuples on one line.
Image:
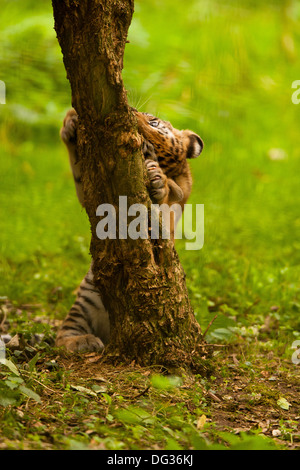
[(158, 181), (80, 343), (68, 132)]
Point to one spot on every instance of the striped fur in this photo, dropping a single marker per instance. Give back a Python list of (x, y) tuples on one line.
[(87, 320), (86, 327)]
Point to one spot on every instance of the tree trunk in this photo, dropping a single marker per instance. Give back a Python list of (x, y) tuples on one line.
[(141, 281)]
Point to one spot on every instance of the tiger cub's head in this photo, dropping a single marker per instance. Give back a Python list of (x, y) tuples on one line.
[(169, 146)]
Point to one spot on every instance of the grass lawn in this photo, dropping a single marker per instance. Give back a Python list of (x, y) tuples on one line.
[(226, 72)]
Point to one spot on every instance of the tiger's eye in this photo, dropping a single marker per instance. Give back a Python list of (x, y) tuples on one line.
[(153, 123)]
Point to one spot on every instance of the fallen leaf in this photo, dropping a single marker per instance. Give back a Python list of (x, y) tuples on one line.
[(94, 359), (227, 397), (14, 343), (100, 378), (283, 403), (201, 422), (88, 391)]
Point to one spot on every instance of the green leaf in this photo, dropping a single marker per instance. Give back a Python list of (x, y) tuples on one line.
[(172, 445), (247, 441), (99, 388), (29, 393), (74, 444), (11, 366), (13, 382), (222, 334), (164, 383), (134, 415), (6, 401), (254, 443), (32, 362)]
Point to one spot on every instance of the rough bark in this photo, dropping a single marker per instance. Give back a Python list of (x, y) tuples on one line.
[(141, 281)]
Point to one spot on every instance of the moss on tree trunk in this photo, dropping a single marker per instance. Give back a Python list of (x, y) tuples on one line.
[(142, 281)]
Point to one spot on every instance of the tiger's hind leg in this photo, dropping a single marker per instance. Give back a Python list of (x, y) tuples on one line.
[(86, 327)]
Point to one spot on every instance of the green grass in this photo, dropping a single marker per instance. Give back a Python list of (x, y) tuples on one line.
[(221, 69)]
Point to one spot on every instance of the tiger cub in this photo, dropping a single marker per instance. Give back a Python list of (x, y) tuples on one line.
[(166, 150)]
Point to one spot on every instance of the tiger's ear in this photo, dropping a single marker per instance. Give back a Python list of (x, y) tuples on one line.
[(195, 146), (175, 192)]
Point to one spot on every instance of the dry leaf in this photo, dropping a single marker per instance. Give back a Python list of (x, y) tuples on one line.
[(283, 403), (201, 422)]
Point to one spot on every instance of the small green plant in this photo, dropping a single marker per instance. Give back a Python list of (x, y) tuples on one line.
[(13, 387)]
